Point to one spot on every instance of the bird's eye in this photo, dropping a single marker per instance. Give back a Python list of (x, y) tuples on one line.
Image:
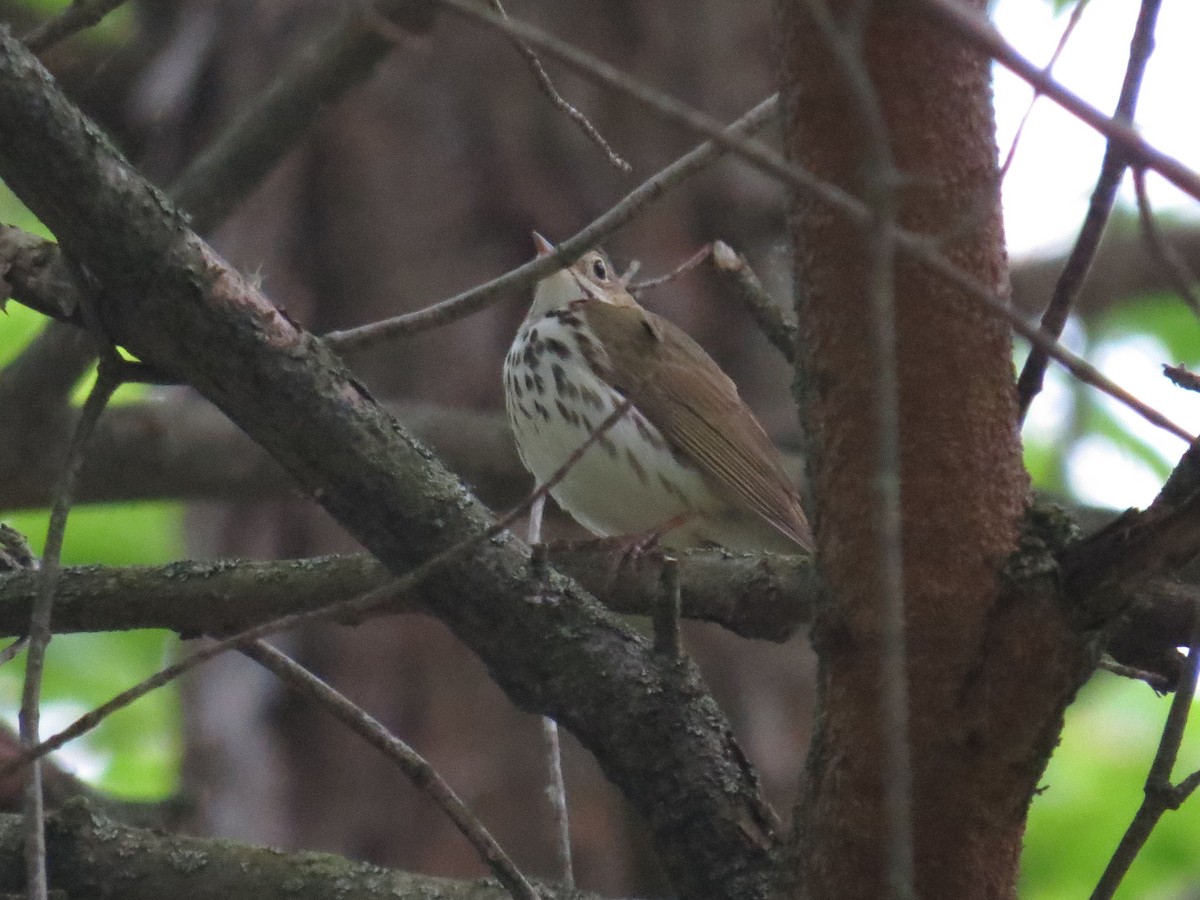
[(599, 269)]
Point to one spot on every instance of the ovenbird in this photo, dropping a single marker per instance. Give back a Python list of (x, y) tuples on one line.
[(687, 458)]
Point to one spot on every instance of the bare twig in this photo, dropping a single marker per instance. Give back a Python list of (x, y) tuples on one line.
[(423, 776), (547, 86), (1177, 273), (390, 31), (79, 15), (9, 653), (917, 246), (1154, 679), (1076, 15), (556, 786), (107, 381), (735, 271), (1112, 170), (682, 269), (556, 795), (565, 252), (1160, 794)]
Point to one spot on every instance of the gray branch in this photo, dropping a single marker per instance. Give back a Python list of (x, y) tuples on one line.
[(767, 597), (90, 851)]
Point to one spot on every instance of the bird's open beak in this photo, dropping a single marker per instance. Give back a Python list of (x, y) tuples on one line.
[(544, 247)]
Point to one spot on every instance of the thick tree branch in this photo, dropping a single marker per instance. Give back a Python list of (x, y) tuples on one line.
[(168, 298), (1104, 571), (768, 598), (90, 850)]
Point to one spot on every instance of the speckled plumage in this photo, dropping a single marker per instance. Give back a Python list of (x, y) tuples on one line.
[(688, 447)]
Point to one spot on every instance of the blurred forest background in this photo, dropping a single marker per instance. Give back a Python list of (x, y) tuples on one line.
[(424, 181)]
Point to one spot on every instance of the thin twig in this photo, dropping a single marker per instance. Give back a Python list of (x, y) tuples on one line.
[(1160, 794), (1112, 170), (565, 252), (547, 87), (682, 269), (556, 795), (556, 786), (423, 775), (1076, 15), (107, 381), (977, 30), (1160, 683), (917, 246), (9, 653), (1179, 276), (395, 34), (735, 271), (79, 15)]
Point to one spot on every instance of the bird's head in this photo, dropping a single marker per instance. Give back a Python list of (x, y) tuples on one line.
[(591, 276)]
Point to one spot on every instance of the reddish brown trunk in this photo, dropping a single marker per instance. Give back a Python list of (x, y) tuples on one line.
[(963, 486)]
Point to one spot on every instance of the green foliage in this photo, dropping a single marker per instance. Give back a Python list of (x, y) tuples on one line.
[(1163, 317), (113, 29)]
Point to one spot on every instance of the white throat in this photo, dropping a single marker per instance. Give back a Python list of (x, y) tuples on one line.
[(557, 291)]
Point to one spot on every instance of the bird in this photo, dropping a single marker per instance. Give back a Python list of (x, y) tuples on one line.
[(687, 462)]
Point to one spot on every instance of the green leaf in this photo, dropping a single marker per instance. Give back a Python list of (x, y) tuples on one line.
[(1163, 316)]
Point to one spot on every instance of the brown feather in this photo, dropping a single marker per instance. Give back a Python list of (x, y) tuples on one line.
[(696, 407)]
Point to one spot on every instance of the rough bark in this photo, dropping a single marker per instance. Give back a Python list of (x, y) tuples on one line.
[(962, 482), (94, 856)]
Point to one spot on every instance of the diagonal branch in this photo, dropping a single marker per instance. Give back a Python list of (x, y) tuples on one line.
[(565, 252), (1112, 170), (424, 776), (1160, 794), (978, 31)]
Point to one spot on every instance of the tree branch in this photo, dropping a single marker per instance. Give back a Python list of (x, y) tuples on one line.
[(89, 849), (768, 597)]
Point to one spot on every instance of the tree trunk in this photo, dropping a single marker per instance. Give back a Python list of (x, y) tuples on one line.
[(963, 487)]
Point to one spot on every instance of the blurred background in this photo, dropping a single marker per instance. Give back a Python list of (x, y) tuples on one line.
[(428, 179)]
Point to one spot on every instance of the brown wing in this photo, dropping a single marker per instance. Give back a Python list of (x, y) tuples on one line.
[(678, 388)]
